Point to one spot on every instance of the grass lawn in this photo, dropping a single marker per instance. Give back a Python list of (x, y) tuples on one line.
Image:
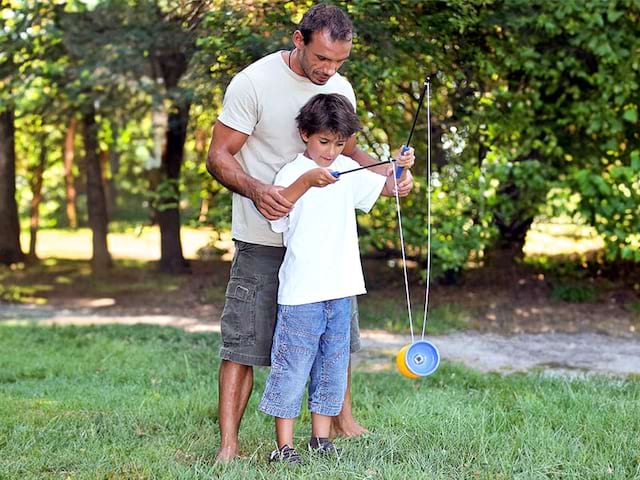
[(129, 243), (139, 402)]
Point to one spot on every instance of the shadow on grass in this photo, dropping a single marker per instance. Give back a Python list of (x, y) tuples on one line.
[(36, 283)]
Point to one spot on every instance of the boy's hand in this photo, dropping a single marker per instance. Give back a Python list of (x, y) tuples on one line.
[(406, 159), (319, 177), (405, 184)]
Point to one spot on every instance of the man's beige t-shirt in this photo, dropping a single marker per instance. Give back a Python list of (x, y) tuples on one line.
[(262, 101)]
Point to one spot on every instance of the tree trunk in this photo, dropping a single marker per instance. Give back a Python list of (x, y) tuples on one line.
[(168, 216), (106, 178), (96, 201), (204, 209), (10, 250), (68, 156), (512, 234), (201, 149), (36, 199), (114, 169)]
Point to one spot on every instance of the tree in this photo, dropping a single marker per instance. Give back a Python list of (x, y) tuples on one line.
[(10, 250), (97, 202), (21, 42), (68, 155), (162, 34)]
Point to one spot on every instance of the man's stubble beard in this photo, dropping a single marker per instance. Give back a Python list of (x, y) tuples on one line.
[(307, 71)]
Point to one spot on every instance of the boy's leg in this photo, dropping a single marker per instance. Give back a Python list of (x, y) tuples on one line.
[(284, 431), (285, 453), (295, 345), (320, 425), (329, 373), (235, 382)]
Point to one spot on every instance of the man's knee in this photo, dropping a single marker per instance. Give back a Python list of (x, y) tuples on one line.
[(231, 366)]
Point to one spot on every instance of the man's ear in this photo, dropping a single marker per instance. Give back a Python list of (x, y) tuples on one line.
[(304, 136), (298, 39)]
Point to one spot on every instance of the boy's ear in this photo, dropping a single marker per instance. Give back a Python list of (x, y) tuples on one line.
[(304, 136)]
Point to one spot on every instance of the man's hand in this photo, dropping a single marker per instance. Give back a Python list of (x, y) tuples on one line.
[(319, 177), (405, 184), (270, 203)]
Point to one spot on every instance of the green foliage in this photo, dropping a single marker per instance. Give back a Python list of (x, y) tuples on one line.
[(528, 99), (574, 293), (610, 198), (534, 92), (634, 306), (461, 222)]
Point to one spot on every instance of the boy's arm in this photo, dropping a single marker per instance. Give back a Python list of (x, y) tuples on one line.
[(318, 177)]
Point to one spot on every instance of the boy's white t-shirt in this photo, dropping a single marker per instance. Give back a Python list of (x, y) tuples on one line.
[(322, 260), (262, 101)]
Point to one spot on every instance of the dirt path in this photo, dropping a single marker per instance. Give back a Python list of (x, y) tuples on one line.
[(564, 353)]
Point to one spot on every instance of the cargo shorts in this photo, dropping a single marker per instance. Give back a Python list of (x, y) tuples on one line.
[(249, 315)]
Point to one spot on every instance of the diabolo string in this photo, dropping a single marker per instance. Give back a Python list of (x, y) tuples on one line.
[(426, 92)]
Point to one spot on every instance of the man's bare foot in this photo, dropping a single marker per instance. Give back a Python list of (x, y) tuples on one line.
[(227, 455), (346, 428)]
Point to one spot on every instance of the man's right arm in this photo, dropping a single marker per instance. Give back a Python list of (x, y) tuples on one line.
[(224, 167)]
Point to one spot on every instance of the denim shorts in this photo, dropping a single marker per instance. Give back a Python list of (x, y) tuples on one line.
[(311, 340), (249, 314)]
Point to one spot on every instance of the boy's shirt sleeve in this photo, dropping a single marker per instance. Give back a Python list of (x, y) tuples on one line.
[(367, 187), (240, 107), (284, 178)]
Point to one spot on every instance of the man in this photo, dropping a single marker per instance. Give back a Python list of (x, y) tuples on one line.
[(254, 136)]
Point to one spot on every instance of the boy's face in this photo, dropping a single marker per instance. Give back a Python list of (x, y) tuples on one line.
[(323, 147)]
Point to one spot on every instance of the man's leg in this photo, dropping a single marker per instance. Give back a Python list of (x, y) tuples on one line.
[(234, 389), (345, 425), (247, 323)]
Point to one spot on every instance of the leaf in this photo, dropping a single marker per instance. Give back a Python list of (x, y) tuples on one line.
[(631, 115), (635, 160)]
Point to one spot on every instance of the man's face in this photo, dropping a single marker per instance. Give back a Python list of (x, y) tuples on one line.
[(322, 57)]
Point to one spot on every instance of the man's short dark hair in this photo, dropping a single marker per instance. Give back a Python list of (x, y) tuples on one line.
[(328, 112), (326, 17)]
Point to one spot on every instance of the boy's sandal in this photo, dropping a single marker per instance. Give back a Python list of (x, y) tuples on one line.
[(323, 446), (285, 454)]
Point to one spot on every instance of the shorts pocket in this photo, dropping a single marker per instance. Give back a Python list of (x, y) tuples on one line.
[(238, 321)]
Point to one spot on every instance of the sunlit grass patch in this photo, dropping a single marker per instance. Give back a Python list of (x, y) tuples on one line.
[(23, 293), (390, 313), (124, 243)]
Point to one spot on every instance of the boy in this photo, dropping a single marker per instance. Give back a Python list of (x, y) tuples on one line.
[(320, 273)]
